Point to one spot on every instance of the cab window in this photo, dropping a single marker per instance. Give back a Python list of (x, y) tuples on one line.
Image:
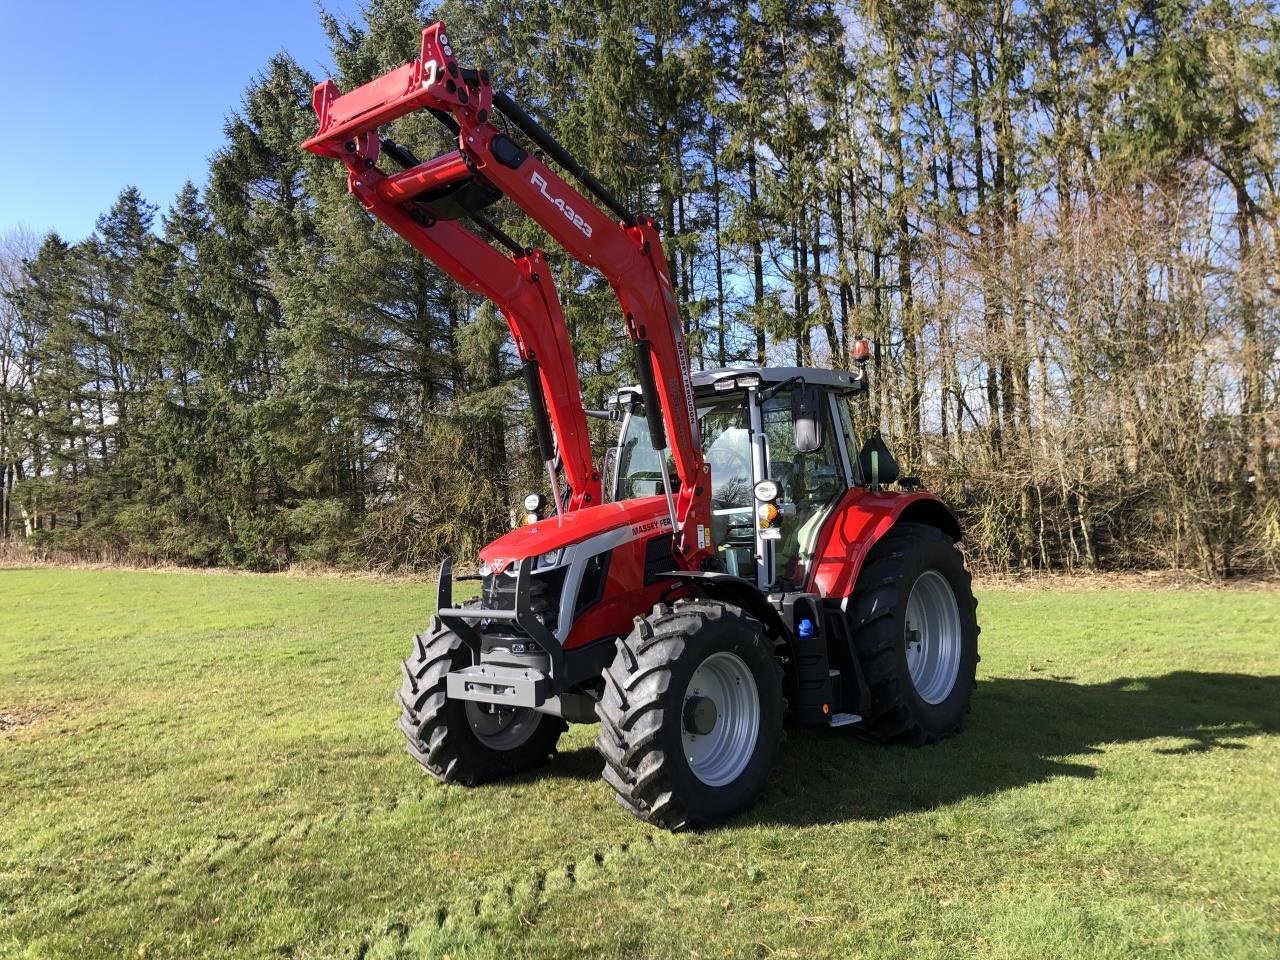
[(639, 473), (812, 482), (726, 445)]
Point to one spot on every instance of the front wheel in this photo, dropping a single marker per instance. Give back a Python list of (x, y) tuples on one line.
[(916, 634), (460, 741), (691, 718)]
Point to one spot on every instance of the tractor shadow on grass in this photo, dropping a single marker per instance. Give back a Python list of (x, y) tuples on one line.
[(1020, 731)]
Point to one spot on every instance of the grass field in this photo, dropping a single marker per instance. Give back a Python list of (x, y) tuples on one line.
[(207, 765)]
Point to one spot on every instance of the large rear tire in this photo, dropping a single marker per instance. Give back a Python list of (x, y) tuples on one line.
[(691, 717), (916, 633), (460, 741)]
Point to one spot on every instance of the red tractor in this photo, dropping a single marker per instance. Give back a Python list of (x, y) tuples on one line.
[(736, 554)]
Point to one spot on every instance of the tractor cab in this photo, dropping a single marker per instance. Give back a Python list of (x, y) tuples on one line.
[(781, 448)]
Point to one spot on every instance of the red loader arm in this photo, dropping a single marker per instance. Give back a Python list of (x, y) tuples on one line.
[(522, 289), (520, 286), (627, 251)]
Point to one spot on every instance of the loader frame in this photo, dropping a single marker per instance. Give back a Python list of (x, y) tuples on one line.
[(626, 250)]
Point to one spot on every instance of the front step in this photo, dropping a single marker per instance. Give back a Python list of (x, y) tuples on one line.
[(843, 719)]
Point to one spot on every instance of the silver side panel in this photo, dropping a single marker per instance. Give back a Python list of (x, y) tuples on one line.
[(576, 557)]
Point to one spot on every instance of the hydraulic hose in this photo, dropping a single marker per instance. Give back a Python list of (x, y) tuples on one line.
[(535, 132)]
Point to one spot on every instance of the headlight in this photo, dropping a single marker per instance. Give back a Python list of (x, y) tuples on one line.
[(551, 558), (767, 491), (533, 505)]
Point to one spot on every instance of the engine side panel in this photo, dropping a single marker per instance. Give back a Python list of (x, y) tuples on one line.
[(627, 593), (639, 517)]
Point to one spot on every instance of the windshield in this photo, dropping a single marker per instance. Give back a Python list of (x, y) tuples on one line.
[(639, 473), (810, 482), (726, 444)]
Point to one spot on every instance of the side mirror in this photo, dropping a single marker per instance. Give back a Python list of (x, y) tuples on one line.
[(806, 416)]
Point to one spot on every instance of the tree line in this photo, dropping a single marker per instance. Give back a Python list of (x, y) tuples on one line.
[(1056, 222)]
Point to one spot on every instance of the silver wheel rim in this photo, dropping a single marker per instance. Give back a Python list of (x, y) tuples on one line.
[(501, 728), (719, 756), (933, 637)]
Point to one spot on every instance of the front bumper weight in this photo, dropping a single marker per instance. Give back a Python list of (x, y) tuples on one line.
[(500, 685)]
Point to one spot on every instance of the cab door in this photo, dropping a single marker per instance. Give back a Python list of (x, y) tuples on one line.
[(811, 484), (726, 446)]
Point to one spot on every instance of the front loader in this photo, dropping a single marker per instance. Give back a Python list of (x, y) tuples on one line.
[(735, 559)]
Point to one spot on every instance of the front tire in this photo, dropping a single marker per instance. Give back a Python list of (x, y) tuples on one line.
[(460, 741), (916, 634), (691, 717)]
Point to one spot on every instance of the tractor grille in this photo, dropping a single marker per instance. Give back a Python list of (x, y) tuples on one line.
[(498, 592)]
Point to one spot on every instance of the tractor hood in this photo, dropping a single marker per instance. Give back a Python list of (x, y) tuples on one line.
[(643, 515)]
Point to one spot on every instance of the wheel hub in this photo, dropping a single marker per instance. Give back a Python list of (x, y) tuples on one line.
[(699, 715), (933, 637), (720, 719), (501, 728)]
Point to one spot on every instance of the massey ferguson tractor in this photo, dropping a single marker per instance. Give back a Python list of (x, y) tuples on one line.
[(735, 558)]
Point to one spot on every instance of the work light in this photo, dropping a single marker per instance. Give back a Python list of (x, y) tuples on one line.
[(533, 505), (767, 491)]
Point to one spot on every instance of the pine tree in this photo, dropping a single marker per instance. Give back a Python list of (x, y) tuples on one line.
[(261, 236)]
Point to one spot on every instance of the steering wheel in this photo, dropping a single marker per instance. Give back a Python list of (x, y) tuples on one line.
[(642, 476)]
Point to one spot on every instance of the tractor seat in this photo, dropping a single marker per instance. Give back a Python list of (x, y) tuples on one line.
[(888, 469)]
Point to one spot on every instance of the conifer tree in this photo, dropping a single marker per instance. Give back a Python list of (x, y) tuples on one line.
[(1056, 222)]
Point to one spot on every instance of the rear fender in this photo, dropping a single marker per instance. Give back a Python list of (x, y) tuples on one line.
[(858, 522)]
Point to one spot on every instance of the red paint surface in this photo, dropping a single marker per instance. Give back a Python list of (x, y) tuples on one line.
[(857, 522), (534, 539)]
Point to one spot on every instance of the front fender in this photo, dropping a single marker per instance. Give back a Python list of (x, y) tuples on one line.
[(857, 522)]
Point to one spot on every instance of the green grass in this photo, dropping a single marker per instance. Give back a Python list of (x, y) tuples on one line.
[(215, 772)]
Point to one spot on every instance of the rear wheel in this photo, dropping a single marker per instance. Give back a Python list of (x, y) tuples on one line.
[(916, 634), (460, 741), (691, 718)]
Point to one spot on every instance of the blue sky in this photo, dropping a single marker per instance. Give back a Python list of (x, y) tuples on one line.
[(103, 94)]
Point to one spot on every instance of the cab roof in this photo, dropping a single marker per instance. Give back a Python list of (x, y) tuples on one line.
[(839, 380)]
